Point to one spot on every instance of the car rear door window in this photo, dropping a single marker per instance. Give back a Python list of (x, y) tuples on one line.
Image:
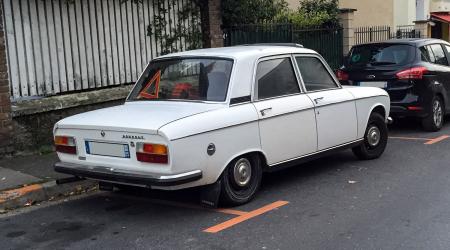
[(276, 77), (439, 54), (314, 73), (425, 55)]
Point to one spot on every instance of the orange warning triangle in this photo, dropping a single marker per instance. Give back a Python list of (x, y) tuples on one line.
[(154, 94)]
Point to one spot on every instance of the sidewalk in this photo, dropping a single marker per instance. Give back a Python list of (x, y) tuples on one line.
[(27, 180)]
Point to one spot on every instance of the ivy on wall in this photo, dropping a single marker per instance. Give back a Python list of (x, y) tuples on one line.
[(173, 35), (187, 28)]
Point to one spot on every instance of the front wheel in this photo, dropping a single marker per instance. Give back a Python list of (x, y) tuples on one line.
[(241, 180), (375, 139)]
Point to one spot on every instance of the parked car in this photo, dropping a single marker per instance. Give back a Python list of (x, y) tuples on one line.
[(415, 73), (223, 116)]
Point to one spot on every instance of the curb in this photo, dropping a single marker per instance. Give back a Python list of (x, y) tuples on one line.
[(35, 193)]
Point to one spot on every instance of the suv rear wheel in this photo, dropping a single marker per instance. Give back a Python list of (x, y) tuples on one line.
[(435, 120)]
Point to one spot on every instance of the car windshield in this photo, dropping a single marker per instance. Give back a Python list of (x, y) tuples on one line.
[(381, 55), (185, 79)]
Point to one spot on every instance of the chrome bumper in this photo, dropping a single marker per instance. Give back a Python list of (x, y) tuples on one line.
[(389, 120), (108, 174)]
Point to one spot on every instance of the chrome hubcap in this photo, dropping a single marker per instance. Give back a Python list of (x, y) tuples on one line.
[(242, 172), (373, 136), (437, 113)]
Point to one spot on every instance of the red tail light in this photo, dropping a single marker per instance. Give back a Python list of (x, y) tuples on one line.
[(412, 73), (341, 75), (152, 153), (65, 144)]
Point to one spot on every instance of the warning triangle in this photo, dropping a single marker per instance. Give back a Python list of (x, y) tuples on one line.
[(152, 93)]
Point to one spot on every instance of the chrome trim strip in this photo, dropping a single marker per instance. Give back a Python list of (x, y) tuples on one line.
[(318, 152), (212, 130)]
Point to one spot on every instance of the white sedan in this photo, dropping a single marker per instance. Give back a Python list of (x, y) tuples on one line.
[(219, 118)]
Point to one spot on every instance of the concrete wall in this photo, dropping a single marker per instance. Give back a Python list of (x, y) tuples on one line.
[(371, 12), (404, 12)]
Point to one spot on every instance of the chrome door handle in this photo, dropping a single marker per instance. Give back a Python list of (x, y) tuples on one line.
[(264, 111), (318, 99)]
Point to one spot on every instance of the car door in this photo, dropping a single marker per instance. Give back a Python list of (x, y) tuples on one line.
[(286, 116), (446, 77), (334, 106)]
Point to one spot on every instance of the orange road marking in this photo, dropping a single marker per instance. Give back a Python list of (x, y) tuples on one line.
[(409, 138), (436, 140), (14, 193), (244, 217), (429, 141), (192, 206), (230, 211)]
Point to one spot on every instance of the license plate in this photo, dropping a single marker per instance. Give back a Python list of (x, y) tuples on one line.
[(107, 149), (382, 85)]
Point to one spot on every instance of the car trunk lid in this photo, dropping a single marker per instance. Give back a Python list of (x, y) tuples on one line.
[(136, 117)]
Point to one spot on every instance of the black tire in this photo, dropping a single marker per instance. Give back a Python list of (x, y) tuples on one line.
[(435, 120), (375, 139), (236, 193)]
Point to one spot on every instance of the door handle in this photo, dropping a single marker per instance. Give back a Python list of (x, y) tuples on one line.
[(318, 99), (264, 111)]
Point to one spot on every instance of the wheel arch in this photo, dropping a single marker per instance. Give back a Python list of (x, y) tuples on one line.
[(257, 152)]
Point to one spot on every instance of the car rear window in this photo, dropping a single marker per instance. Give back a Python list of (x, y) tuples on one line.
[(184, 79), (381, 55)]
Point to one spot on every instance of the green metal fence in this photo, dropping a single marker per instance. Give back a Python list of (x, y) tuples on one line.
[(327, 41)]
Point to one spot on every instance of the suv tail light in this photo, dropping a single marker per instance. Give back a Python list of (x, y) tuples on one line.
[(412, 73), (341, 75), (152, 153), (65, 144)]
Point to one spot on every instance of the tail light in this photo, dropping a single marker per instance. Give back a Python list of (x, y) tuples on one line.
[(412, 73), (152, 153), (65, 144), (341, 75)]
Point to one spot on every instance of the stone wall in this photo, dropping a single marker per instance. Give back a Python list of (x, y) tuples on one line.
[(33, 120), (5, 103)]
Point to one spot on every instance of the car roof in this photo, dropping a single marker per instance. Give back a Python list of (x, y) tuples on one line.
[(244, 51), (411, 41)]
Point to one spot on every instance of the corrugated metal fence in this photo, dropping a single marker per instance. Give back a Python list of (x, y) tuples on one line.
[(57, 46)]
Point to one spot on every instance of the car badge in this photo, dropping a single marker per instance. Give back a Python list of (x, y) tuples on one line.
[(102, 133), (370, 77)]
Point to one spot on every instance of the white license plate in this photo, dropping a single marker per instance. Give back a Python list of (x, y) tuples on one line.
[(374, 84), (107, 149)]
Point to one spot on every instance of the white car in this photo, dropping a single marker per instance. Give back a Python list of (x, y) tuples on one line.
[(223, 116)]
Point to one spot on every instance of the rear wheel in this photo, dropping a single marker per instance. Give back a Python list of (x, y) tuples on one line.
[(435, 120), (375, 139), (241, 180)]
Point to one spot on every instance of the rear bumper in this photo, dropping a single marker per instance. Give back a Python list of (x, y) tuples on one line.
[(401, 110), (108, 174)]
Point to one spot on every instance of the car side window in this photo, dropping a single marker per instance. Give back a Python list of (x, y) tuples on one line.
[(439, 54), (314, 74), (430, 54), (276, 77), (424, 54), (447, 48)]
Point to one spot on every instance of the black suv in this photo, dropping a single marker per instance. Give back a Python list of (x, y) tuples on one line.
[(415, 73)]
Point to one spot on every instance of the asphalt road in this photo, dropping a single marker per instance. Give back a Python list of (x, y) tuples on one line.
[(400, 201)]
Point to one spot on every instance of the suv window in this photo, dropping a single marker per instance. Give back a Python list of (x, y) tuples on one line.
[(314, 74), (383, 54), (439, 54), (276, 77), (425, 55)]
